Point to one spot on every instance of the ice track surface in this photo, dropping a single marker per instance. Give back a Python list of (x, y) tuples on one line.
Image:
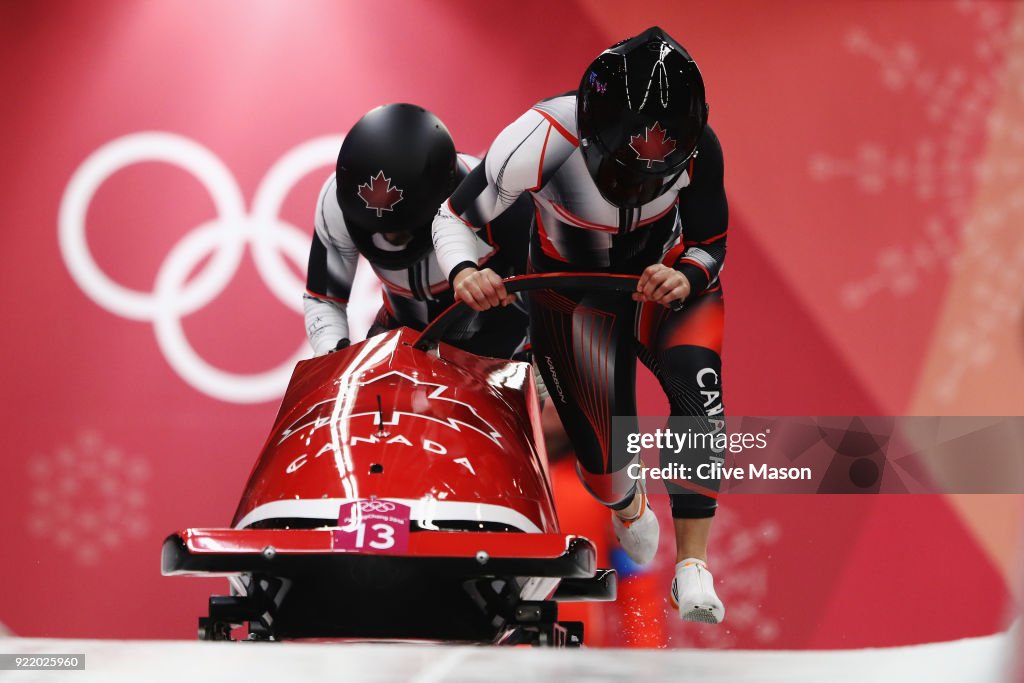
[(975, 660)]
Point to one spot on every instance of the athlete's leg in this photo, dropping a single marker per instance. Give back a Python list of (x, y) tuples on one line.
[(583, 348), (683, 349)]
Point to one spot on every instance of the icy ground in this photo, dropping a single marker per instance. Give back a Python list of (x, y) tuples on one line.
[(975, 660)]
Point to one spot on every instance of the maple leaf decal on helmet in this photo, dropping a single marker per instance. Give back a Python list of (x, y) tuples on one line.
[(379, 194), (653, 144)]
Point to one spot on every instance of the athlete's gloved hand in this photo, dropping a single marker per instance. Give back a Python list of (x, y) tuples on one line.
[(663, 285), (481, 289), (342, 343)]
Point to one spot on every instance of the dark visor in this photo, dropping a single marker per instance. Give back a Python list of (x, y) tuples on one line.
[(625, 187)]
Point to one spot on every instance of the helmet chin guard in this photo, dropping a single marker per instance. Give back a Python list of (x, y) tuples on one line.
[(415, 249)]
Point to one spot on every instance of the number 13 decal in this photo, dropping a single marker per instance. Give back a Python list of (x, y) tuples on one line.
[(380, 526), (382, 536)]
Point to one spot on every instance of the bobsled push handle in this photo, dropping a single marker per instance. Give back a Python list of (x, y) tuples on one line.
[(594, 282)]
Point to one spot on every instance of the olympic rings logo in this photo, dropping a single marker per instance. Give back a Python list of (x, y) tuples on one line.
[(376, 506), (223, 239)]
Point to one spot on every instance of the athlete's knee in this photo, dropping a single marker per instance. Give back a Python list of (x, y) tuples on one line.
[(692, 378)]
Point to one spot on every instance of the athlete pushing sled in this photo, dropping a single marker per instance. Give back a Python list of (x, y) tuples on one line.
[(626, 177)]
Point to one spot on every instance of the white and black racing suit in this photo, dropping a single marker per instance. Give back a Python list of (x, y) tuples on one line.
[(412, 296), (586, 344)]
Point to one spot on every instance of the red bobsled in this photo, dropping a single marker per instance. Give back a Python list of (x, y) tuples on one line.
[(402, 493)]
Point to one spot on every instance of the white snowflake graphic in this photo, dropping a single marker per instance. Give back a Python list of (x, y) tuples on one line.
[(88, 497), (937, 167)]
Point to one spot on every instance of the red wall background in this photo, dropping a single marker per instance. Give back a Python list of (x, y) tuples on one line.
[(876, 266)]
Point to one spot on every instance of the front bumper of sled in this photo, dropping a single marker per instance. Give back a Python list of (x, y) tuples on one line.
[(205, 552), (445, 585)]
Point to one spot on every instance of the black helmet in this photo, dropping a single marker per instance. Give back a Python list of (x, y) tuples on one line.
[(395, 168), (640, 109)]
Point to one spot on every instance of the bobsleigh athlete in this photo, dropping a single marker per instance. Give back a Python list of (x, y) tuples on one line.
[(395, 167), (626, 177)]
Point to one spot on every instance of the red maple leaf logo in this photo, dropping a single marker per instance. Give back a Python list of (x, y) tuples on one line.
[(653, 144), (380, 194)]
